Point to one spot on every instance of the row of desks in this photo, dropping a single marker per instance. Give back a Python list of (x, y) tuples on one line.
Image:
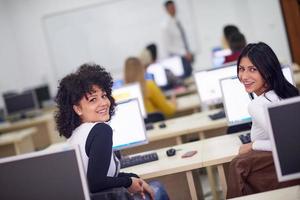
[(215, 151)]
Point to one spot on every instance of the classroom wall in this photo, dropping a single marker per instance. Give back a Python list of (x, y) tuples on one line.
[(25, 50)]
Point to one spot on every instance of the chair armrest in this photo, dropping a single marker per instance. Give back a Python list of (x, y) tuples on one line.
[(120, 193)]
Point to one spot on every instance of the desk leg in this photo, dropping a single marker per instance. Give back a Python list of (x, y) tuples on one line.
[(191, 183), (212, 182), (178, 140), (222, 177), (201, 135)]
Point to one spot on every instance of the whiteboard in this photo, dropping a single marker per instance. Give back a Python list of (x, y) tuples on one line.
[(107, 33)]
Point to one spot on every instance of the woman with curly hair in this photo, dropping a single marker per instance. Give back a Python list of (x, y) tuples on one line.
[(85, 105)]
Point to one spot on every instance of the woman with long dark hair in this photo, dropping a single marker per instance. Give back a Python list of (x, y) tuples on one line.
[(260, 72), (253, 170)]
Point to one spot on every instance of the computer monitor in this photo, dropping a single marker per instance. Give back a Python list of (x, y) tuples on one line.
[(235, 101), (283, 123), (288, 74), (207, 82), (159, 74), (128, 125), (20, 104), (174, 64), (218, 56), (44, 175), (42, 94), (130, 91)]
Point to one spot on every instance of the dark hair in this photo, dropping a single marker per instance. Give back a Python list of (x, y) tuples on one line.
[(267, 63), (228, 30), (167, 3), (153, 51), (236, 42), (72, 88)]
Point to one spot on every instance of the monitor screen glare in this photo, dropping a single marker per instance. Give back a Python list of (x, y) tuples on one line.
[(128, 125), (235, 100), (130, 91), (208, 85)]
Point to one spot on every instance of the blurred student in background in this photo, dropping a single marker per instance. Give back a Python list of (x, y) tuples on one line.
[(237, 42), (154, 99), (228, 30), (148, 57)]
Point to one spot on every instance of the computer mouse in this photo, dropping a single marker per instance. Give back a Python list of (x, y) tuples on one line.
[(162, 125), (171, 152), (149, 126)]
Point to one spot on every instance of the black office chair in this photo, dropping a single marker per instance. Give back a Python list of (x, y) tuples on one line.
[(120, 193), (154, 117)]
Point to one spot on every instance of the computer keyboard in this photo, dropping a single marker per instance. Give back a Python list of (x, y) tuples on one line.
[(218, 115), (137, 160), (245, 138)]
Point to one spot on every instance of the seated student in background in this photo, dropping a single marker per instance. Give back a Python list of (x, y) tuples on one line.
[(149, 56), (228, 30), (237, 42), (155, 100), (260, 72), (85, 105)]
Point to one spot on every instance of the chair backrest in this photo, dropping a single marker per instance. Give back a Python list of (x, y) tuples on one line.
[(49, 174)]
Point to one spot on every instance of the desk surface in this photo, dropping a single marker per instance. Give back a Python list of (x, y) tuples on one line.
[(185, 125), (188, 102), (289, 193), (16, 136), (24, 123), (210, 152)]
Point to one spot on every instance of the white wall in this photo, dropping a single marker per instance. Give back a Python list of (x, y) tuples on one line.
[(24, 49)]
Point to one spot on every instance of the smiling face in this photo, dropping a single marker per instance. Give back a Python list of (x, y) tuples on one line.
[(94, 108), (251, 77)]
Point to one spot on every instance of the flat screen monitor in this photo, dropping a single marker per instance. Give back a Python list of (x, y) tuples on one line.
[(174, 64), (235, 101), (283, 122), (288, 74), (20, 104), (218, 56), (44, 175), (208, 86), (159, 74), (128, 125), (130, 91), (42, 94)]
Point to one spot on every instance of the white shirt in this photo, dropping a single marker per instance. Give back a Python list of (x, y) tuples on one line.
[(259, 129), (171, 38), (79, 137)]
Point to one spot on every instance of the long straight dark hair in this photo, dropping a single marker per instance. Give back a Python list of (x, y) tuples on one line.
[(267, 63)]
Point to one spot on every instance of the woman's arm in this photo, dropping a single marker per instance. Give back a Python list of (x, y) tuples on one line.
[(99, 150), (159, 100)]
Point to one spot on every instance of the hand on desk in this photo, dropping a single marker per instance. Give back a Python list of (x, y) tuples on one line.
[(245, 148)]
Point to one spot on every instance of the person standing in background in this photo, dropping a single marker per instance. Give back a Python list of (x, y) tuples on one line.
[(173, 36)]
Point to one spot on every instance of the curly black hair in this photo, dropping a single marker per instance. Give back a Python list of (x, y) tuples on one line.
[(72, 88)]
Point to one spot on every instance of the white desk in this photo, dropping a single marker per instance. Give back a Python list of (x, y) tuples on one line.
[(188, 103), (288, 193), (175, 128), (17, 142), (211, 152), (46, 131)]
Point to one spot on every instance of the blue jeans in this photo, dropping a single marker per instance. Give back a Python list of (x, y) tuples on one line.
[(160, 192)]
